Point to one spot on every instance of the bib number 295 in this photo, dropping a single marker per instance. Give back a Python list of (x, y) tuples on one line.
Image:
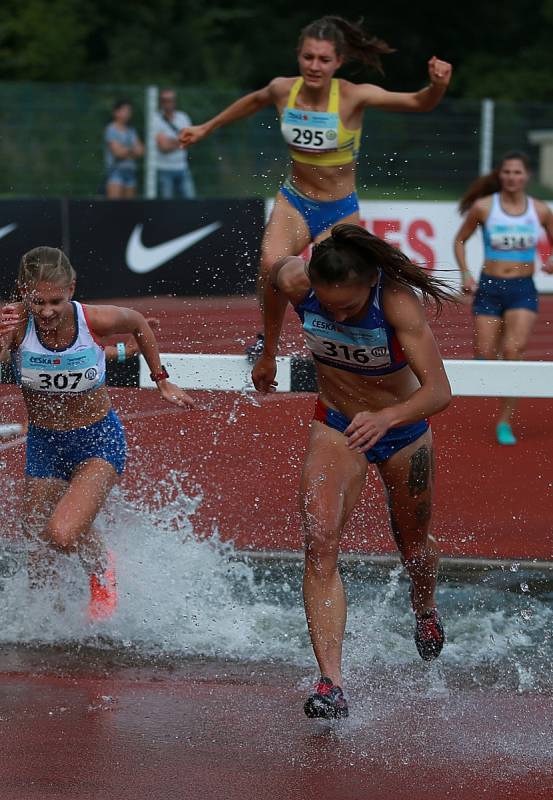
[(305, 136)]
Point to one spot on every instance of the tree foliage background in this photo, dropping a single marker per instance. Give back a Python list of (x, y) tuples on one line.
[(501, 50)]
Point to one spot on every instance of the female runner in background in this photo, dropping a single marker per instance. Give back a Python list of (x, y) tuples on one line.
[(380, 377), (505, 301), (321, 118), (75, 442)]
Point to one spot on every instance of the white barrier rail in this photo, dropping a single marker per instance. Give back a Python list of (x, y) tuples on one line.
[(468, 378), (232, 373)]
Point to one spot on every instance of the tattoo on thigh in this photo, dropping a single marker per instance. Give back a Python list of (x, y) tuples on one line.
[(419, 472), (423, 512)]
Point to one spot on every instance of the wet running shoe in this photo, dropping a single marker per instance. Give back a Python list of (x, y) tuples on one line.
[(429, 634), (255, 350), (326, 702), (504, 434), (103, 592)]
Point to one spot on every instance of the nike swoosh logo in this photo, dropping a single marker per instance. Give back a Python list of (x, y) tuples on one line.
[(141, 259), (7, 229)]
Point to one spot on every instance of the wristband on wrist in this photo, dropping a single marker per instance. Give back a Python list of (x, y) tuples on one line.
[(121, 352), (159, 376)]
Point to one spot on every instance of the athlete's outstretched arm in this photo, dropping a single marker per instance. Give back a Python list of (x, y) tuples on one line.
[(130, 346), (287, 283), (113, 320), (426, 99), (243, 107)]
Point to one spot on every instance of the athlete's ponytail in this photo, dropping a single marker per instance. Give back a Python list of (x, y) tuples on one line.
[(488, 184), (349, 39), (351, 252), (44, 264)]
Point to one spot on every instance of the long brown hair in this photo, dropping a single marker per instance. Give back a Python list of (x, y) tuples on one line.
[(349, 39), (488, 184), (351, 252), (44, 264)]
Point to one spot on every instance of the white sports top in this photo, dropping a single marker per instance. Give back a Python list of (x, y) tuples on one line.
[(81, 367), (511, 237)]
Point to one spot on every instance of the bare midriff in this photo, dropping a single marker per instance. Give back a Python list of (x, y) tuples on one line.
[(66, 412), (323, 183), (508, 269), (350, 393)]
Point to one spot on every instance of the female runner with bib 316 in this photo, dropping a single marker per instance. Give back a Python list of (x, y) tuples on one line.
[(380, 376), (506, 301), (321, 118), (75, 442)]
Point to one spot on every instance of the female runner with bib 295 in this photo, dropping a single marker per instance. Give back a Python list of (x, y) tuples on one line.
[(75, 442), (506, 301), (321, 118), (380, 376)]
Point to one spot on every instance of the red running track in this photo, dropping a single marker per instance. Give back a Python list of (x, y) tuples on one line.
[(244, 454), (218, 731), (212, 731)]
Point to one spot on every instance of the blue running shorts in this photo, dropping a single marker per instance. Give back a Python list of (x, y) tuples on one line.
[(55, 454), (394, 440), (497, 295)]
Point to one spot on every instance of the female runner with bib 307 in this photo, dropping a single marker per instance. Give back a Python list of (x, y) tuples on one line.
[(75, 443), (321, 119), (380, 376), (506, 301)]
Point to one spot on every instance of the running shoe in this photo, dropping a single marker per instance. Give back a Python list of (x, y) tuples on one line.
[(429, 634), (103, 592), (255, 350), (326, 702), (504, 434)]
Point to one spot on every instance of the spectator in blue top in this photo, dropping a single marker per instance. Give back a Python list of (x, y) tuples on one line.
[(122, 149), (173, 173)]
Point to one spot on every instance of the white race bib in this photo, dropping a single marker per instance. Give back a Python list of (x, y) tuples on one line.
[(60, 373), (314, 131)]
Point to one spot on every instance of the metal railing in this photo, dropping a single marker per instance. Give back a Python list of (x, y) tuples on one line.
[(51, 143)]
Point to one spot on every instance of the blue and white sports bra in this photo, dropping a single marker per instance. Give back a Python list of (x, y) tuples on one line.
[(509, 237), (367, 347), (81, 367)]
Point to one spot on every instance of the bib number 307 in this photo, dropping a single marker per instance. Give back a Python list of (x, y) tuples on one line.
[(60, 380)]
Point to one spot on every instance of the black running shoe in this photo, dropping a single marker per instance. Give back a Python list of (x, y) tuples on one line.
[(429, 634), (326, 702), (255, 350)]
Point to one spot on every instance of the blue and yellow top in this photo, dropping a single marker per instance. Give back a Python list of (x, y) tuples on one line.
[(318, 137)]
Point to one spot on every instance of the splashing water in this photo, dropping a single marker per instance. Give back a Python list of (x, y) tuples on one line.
[(182, 596)]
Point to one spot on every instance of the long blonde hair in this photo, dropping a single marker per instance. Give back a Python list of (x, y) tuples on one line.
[(44, 264)]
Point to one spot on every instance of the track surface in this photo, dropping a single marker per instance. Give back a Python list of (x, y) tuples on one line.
[(243, 454), (208, 731)]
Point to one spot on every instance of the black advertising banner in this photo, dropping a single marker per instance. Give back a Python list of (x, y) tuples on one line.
[(181, 247), (25, 224)]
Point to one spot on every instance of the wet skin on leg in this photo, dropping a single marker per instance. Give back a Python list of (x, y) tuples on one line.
[(61, 514), (408, 477), (332, 480)]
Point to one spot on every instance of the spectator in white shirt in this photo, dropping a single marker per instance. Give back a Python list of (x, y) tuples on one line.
[(173, 173)]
